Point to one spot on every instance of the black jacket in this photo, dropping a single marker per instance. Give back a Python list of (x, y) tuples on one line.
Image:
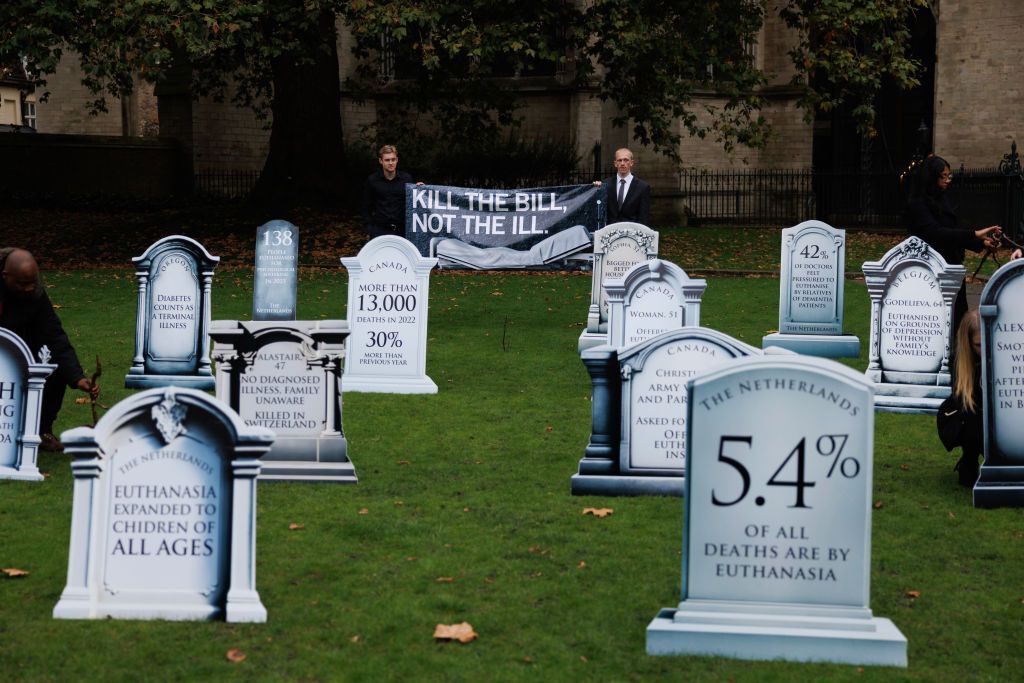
[(384, 200), (636, 205), (937, 225)]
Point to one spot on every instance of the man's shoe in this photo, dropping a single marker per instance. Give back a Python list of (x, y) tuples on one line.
[(51, 444)]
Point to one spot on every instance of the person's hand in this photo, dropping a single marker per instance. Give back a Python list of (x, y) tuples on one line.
[(992, 231), (1016, 255), (992, 243), (597, 183), (418, 183), (88, 387)]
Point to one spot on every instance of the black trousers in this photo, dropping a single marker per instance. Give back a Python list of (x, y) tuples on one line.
[(53, 397)]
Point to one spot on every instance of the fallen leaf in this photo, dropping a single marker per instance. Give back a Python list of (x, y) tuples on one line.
[(355, 639), (904, 467), (57, 306), (463, 632), (82, 400), (549, 428), (14, 573), (364, 511), (235, 655), (537, 550), (411, 558), (598, 512), (878, 505), (913, 594), (581, 565), (528, 660), (405, 462), (583, 658), (295, 527), (398, 503), (951, 515), (445, 579), (465, 509)]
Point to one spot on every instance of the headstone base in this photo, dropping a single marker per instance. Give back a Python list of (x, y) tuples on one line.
[(622, 485), (389, 385), (22, 474), (804, 634), (201, 382), (76, 609), (999, 487), (909, 398), (589, 340), (821, 345), (291, 470)]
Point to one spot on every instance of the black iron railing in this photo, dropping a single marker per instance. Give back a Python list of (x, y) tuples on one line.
[(224, 184)]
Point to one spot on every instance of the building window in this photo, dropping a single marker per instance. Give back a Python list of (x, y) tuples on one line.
[(28, 114)]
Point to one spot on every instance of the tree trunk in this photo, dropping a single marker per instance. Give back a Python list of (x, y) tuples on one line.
[(305, 164)]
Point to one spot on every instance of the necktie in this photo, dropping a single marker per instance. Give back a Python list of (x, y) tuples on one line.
[(622, 190)]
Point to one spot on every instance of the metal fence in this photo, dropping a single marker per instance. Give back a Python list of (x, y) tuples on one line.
[(224, 184)]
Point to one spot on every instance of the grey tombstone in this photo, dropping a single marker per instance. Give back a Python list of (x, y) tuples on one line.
[(276, 276), (617, 248), (638, 402), (652, 297), (912, 290), (174, 276), (163, 519), (1001, 480), (285, 376), (777, 523), (21, 395), (388, 297), (811, 287)]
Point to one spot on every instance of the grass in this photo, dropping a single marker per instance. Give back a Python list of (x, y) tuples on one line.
[(472, 485)]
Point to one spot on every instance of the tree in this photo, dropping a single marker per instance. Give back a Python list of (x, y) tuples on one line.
[(652, 57)]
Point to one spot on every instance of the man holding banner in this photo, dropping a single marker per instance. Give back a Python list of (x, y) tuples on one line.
[(384, 196)]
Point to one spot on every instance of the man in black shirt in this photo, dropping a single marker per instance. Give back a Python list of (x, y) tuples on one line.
[(384, 197), (25, 309)]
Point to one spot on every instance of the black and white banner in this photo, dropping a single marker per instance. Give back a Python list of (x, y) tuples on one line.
[(485, 229)]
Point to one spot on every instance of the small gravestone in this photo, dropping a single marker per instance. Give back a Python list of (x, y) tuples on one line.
[(388, 296), (811, 293), (912, 290), (163, 520), (777, 524), (617, 248), (171, 344), (1001, 481), (276, 276), (21, 395), (285, 376), (638, 403), (652, 297)]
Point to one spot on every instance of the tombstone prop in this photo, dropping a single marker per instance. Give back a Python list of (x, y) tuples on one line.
[(638, 403), (171, 344), (285, 376), (617, 248), (811, 286), (388, 296), (21, 395), (912, 290), (652, 297), (276, 276), (163, 520), (777, 524), (1001, 480)]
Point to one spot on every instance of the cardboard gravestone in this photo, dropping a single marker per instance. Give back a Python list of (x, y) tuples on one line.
[(777, 524), (617, 248), (388, 295), (1001, 481), (163, 520), (174, 276), (652, 297), (285, 376), (276, 276), (21, 395), (638, 400), (811, 291), (912, 290)]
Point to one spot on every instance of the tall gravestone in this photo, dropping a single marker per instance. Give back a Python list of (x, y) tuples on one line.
[(1001, 480), (285, 376), (388, 297), (912, 290), (617, 248), (22, 378), (175, 275), (638, 402), (275, 280), (777, 524), (811, 287), (163, 520), (652, 297)]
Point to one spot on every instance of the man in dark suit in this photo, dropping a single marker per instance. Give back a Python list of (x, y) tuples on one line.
[(629, 198)]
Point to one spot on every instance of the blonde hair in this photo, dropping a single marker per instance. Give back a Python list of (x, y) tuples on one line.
[(967, 361), (387, 149)]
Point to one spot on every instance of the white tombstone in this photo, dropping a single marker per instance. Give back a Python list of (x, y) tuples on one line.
[(912, 291), (811, 286), (163, 520), (777, 524), (617, 248), (652, 297), (388, 297), (285, 376), (1001, 479), (21, 395), (174, 276)]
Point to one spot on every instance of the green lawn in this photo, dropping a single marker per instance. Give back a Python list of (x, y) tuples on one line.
[(468, 516)]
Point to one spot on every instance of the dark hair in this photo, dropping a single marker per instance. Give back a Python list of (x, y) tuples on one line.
[(924, 182)]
